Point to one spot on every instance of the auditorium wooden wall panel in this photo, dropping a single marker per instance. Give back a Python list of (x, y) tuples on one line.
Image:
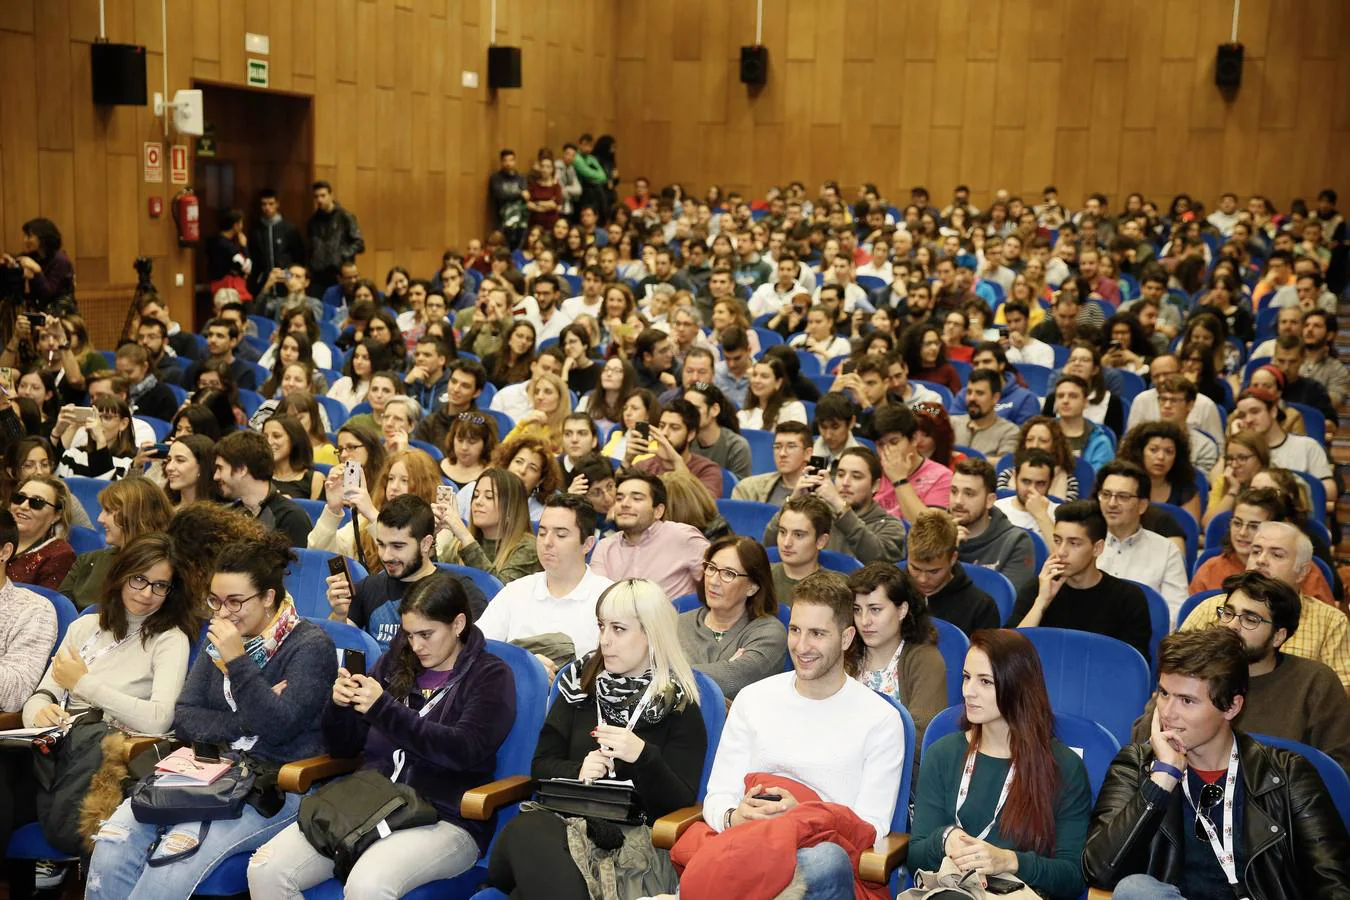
[(406, 146), (1015, 94)]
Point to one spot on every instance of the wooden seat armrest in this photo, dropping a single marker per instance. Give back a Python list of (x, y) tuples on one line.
[(1098, 894), (478, 804), (667, 829), (876, 865), (297, 777), (9, 721)]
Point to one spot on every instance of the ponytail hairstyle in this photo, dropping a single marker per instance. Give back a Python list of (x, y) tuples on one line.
[(1028, 818), (440, 598)]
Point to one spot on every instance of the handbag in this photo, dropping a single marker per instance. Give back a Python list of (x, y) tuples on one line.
[(164, 799), (609, 802), (344, 817)]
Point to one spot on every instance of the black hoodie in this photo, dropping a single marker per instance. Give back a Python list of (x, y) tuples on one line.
[(967, 607)]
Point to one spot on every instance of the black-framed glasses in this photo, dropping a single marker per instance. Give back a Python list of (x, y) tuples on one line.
[(36, 504), (229, 603), (158, 588), (1116, 497), (1211, 795), (1249, 621), (727, 576)]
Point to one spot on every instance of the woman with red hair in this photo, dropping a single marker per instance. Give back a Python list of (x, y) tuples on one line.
[(1004, 796)]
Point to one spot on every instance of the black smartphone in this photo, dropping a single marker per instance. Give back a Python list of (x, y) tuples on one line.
[(644, 429), (37, 320), (337, 565), (354, 661), (773, 797), (997, 884), (818, 463), (160, 451), (204, 752)]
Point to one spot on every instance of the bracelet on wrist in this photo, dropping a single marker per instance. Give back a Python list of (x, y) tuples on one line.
[(1160, 767)]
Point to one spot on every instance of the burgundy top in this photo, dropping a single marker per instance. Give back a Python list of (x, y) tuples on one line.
[(539, 193), (944, 375), (45, 567)]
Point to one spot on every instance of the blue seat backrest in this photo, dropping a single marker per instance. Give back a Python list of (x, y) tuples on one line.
[(488, 583), (729, 481), (307, 580), (429, 449), (1093, 676), (504, 422), (1036, 377), (952, 644), (1189, 528), (900, 818), (65, 610), (1093, 743), (747, 517), (1159, 623), (1039, 549), (86, 490), (85, 540), (1191, 603), (349, 637), (761, 449), (337, 411), (1317, 495), (996, 585), (1333, 776), (685, 602)]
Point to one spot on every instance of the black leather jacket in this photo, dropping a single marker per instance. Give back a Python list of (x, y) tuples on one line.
[(1295, 843)]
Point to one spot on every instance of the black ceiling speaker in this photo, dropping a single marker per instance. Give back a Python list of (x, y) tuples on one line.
[(119, 74), (1228, 66), (755, 65), (503, 67)]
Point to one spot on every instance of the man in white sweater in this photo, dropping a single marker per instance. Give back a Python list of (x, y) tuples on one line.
[(814, 725), (27, 628)]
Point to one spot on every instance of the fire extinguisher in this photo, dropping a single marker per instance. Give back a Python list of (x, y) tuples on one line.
[(187, 217)]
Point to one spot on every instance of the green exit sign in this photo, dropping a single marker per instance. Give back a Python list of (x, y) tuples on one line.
[(257, 72)]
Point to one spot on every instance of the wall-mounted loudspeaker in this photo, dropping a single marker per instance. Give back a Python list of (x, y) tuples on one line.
[(119, 74), (503, 67), (1228, 66), (755, 65)]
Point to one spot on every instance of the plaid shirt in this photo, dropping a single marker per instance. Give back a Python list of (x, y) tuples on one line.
[(1323, 633)]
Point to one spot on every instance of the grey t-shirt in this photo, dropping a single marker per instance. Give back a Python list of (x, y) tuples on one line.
[(730, 451)]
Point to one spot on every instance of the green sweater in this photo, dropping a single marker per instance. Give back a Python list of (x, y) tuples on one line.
[(84, 582), (1060, 875), (522, 561)]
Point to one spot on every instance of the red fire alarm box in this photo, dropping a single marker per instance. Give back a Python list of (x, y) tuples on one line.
[(156, 207)]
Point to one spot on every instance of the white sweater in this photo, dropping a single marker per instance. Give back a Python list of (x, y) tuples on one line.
[(848, 748), (135, 685), (27, 633)]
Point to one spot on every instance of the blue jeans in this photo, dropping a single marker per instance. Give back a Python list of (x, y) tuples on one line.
[(118, 870), (1145, 887), (827, 871)]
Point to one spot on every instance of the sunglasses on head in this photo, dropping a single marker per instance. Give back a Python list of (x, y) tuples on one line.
[(36, 504)]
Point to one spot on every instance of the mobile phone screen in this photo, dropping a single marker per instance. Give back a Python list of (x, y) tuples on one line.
[(354, 661)]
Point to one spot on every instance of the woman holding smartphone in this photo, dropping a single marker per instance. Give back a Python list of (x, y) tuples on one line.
[(497, 539)]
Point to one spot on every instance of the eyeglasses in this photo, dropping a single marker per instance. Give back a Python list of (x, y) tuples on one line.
[(1116, 497), (727, 576), (1242, 526), (36, 504), (158, 588), (1211, 795), (229, 603), (1249, 621)]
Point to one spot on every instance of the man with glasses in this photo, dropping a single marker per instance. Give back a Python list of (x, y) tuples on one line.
[(1177, 395), (1204, 414), (1204, 810), (559, 600), (1283, 552), (1289, 696), (244, 475), (1132, 551), (791, 452), (1074, 592), (28, 633), (463, 387)]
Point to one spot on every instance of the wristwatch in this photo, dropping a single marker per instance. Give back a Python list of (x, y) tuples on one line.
[(726, 820), (902, 482)]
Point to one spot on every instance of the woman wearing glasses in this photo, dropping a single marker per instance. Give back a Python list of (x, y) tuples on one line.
[(1003, 796), (733, 635), (128, 661), (131, 507), (259, 688), (41, 508)]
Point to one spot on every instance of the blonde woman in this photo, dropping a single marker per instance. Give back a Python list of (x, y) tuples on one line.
[(632, 699), (404, 472), (497, 539), (550, 405)]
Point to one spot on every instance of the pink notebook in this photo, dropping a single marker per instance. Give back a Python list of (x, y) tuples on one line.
[(181, 762)]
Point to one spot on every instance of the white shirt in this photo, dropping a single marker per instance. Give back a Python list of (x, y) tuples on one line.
[(524, 608), (514, 400), (834, 346), (1033, 352), (1302, 454), (848, 748), (883, 271), (1204, 415), (1020, 517), (854, 297), (323, 356), (575, 306), (753, 417), (553, 328), (767, 298), (1148, 558)]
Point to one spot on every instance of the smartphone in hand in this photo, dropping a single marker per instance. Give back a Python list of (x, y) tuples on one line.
[(644, 429), (354, 661), (337, 565)]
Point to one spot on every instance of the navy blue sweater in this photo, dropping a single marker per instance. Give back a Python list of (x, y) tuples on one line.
[(450, 750), (287, 726)]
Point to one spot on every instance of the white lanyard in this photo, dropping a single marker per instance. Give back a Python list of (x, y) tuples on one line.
[(90, 658), (399, 755), (1223, 850), (964, 789)]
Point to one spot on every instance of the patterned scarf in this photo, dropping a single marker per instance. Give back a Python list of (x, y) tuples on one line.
[(262, 647), (619, 695)]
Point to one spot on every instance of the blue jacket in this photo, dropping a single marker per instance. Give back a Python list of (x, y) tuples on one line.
[(1098, 451), (1015, 403)]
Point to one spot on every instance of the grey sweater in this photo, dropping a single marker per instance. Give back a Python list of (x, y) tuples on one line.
[(27, 635), (750, 650), (730, 451), (1004, 548), (868, 535)]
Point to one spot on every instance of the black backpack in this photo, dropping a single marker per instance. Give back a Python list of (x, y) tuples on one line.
[(344, 817)]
